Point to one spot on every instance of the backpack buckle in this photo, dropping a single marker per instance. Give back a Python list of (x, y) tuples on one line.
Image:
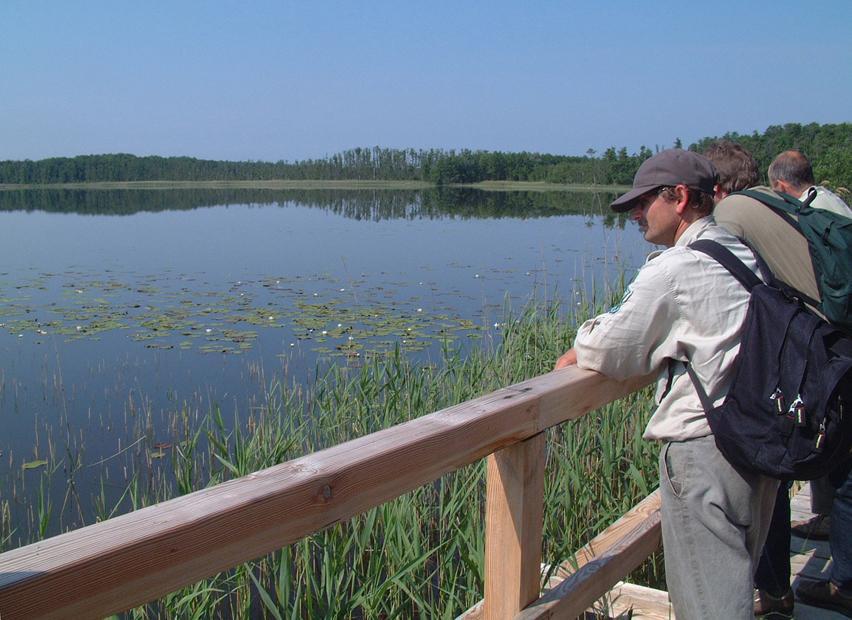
[(778, 397), (797, 411), (820, 438)]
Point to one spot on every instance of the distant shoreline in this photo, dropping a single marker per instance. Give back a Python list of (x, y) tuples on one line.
[(498, 186)]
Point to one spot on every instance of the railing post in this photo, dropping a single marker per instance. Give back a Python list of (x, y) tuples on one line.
[(514, 508)]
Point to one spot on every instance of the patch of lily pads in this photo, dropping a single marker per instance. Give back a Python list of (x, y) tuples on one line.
[(316, 313)]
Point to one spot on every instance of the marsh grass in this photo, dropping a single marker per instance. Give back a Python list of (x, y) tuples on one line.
[(420, 555)]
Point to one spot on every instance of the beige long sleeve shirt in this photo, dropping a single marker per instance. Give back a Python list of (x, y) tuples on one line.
[(682, 307)]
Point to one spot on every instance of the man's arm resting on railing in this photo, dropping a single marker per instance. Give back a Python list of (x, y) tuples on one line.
[(569, 358)]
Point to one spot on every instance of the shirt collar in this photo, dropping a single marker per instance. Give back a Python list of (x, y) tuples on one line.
[(695, 229)]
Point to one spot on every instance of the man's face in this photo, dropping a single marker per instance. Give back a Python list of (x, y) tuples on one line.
[(655, 213)]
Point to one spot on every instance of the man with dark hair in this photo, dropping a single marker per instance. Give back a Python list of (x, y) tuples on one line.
[(736, 167), (792, 174), (787, 255), (683, 308)]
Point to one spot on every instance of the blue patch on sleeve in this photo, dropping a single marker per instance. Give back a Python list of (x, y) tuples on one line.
[(624, 299)]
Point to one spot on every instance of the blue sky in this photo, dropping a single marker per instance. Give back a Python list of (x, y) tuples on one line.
[(268, 80)]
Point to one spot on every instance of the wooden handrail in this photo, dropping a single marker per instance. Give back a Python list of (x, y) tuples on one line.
[(595, 569), (605, 560), (135, 558)]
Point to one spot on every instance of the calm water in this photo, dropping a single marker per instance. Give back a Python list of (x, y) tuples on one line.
[(119, 308)]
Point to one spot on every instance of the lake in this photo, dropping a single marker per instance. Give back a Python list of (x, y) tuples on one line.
[(124, 313)]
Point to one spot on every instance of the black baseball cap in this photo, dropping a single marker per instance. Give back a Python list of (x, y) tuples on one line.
[(669, 168)]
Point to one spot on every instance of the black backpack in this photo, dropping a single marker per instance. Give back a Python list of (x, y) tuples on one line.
[(829, 237), (788, 413)]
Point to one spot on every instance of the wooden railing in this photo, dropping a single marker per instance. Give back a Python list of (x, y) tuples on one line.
[(135, 558)]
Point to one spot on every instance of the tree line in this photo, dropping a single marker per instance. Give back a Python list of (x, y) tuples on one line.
[(828, 146)]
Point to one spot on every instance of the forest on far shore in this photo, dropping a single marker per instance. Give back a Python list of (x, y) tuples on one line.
[(828, 146)]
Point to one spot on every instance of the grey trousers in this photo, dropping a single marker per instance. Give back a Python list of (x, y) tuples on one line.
[(714, 521)]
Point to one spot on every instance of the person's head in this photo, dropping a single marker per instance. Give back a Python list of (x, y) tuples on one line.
[(736, 167), (670, 191), (791, 173)]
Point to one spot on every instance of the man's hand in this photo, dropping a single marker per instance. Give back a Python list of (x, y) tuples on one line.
[(569, 358)]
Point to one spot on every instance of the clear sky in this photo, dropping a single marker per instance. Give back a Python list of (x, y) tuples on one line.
[(270, 80)]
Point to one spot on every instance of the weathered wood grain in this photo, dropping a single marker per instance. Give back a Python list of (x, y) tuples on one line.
[(602, 563), (514, 505)]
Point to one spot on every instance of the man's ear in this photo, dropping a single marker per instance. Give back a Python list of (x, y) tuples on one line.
[(682, 194), (783, 186)]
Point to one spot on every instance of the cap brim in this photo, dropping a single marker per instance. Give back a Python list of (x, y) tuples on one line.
[(625, 202)]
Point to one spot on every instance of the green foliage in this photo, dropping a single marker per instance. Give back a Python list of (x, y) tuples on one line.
[(829, 147)]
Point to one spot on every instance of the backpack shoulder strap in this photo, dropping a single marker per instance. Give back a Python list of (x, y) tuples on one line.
[(726, 258), (784, 205)]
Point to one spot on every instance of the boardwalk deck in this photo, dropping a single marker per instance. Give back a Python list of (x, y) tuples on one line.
[(809, 559)]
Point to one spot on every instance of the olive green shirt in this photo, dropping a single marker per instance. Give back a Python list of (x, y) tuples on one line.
[(781, 246)]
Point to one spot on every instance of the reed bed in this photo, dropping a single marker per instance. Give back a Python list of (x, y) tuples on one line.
[(421, 555)]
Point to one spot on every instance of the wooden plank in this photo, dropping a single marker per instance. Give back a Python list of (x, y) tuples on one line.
[(602, 563), (809, 566), (126, 561), (638, 602), (514, 510), (819, 548)]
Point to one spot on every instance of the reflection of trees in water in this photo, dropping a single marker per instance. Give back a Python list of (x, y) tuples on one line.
[(361, 204)]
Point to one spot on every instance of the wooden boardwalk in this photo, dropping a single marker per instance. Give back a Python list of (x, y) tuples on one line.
[(809, 559)]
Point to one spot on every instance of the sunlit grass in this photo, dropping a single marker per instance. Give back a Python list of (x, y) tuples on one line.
[(420, 555)]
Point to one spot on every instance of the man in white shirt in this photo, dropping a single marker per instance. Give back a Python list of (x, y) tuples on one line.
[(685, 308), (792, 174)]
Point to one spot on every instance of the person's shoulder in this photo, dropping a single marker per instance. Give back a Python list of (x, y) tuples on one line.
[(738, 210), (829, 201), (734, 202)]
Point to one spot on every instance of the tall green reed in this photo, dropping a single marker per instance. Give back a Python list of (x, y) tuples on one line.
[(420, 555)]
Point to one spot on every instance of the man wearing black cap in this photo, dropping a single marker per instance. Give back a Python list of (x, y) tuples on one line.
[(685, 308)]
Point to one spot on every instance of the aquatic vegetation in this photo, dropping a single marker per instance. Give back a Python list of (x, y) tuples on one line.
[(215, 321), (420, 555)]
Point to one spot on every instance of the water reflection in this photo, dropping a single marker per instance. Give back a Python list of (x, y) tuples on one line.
[(361, 204), (119, 333)]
